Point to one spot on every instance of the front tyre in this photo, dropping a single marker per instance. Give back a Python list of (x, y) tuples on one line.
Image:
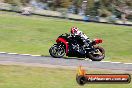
[(98, 55), (57, 51)]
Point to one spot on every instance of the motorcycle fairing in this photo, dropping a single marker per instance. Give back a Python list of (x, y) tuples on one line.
[(97, 41), (64, 41)]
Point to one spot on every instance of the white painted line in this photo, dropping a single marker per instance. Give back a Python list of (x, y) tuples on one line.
[(3, 52), (127, 63), (110, 62), (25, 54), (12, 53), (115, 62), (36, 55)]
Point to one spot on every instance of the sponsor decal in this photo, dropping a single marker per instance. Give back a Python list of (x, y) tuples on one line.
[(83, 78)]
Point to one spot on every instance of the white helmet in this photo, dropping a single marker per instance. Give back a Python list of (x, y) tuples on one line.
[(74, 30)]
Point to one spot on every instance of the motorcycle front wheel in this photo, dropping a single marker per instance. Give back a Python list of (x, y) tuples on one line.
[(57, 51), (98, 55)]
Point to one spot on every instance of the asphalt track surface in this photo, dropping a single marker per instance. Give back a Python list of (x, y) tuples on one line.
[(63, 62)]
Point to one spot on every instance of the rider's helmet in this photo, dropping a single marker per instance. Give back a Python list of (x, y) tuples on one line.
[(74, 30)]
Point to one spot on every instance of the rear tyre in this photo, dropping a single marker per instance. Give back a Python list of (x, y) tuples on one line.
[(57, 51), (99, 55)]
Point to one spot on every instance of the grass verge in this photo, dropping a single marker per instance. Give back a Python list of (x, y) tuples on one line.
[(35, 35), (36, 77)]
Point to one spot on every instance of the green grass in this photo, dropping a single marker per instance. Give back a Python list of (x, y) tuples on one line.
[(30, 77), (35, 35)]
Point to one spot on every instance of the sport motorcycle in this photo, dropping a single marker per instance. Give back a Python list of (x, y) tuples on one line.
[(73, 46)]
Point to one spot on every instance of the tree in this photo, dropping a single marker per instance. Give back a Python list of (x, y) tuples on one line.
[(66, 3), (17, 2)]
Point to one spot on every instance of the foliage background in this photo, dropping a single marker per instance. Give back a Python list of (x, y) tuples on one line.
[(94, 7)]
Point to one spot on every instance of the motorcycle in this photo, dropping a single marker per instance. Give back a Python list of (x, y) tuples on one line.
[(73, 46)]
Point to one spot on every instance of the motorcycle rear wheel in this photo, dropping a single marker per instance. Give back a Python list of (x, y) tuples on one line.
[(97, 57), (57, 51)]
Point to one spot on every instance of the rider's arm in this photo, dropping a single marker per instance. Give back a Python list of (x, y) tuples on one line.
[(83, 35)]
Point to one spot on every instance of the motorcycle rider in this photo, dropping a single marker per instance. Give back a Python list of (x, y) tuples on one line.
[(75, 31)]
